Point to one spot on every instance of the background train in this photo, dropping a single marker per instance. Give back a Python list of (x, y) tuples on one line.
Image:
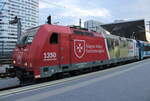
[(144, 48), (49, 49)]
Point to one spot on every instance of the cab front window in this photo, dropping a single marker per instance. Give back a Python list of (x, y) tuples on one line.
[(28, 36)]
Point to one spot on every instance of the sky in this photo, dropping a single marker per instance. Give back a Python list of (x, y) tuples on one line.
[(68, 12)]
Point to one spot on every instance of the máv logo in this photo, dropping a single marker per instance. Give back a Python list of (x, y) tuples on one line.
[(79, 48)]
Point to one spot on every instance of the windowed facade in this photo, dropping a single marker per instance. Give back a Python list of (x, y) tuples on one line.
[(27, 10)]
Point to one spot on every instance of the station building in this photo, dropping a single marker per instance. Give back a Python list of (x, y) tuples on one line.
[(92, 24), (134, 29)]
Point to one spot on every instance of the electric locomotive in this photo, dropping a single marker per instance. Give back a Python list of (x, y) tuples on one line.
[(49, 49)]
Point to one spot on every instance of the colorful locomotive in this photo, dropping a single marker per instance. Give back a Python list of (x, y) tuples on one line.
[(49, 49)]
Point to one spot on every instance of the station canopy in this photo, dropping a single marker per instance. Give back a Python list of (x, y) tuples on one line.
[(129, 29)]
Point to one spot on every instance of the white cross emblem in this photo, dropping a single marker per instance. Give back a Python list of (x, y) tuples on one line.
[(79, 48)]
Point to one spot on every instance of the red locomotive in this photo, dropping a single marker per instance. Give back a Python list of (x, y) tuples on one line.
[(49, 49)]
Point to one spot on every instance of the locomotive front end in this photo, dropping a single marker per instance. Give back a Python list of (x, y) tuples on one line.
[(22, 53)]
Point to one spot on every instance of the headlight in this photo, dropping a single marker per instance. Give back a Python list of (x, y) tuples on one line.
[(14, 62), (25, 64)]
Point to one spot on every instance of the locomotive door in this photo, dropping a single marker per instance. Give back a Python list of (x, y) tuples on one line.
[(64, 50)]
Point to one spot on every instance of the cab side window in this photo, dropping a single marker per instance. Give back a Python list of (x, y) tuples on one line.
[(54, 38)]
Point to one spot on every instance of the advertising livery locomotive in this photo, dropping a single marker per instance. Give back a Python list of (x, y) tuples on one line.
[(50, 49)]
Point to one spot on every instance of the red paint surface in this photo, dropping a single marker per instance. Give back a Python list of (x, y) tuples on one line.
[(72, 48)]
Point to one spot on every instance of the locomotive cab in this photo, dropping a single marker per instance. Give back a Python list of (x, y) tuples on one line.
[(40, 51)]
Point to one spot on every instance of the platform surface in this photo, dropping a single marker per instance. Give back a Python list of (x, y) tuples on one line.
[(9, 82), (129, 82)]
